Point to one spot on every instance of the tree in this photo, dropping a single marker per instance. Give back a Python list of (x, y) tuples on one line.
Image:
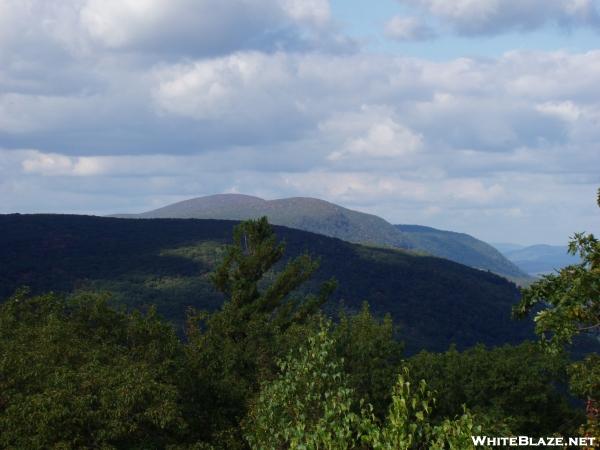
[(254, 253), (311, 405), (518, 386), (75, 373), (371, 355), (409, 423), (264, 315), (567, 305)]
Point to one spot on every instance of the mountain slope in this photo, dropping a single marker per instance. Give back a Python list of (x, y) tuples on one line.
[(304, 213), (460, 247), (167, 262), (504, 247), (541, 259), (326, 218)]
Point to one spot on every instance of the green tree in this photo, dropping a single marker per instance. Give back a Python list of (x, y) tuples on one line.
[(264, 315), (566, 305), (371, 355), (311, 405), (518, 386), (77, 374), (409, 423)]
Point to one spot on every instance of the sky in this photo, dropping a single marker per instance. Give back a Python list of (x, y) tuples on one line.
[(478, 116)]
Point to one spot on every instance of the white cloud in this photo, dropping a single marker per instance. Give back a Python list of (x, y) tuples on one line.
[(567, 110), (369, 192), (408, 29), (372, 133), (472, 17), (317, 12), (240, 83), (114, 98), (202, 27), (119, 23), (170, 28), (56, 165)]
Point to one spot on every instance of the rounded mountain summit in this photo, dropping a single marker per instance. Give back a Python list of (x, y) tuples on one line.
[(319, 216)]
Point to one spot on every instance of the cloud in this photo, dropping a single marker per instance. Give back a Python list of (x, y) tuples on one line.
[(316, 12), (215, 88), (170, 29), (374, 133), (201, 27), (566, 111), (408, 29), (103, 99), (486, 104), (489, 17)]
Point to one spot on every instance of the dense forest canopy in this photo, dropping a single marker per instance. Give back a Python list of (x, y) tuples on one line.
[(265, 370), (167, 263)]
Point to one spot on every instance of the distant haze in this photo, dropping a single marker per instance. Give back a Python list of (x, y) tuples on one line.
[(538, 259)]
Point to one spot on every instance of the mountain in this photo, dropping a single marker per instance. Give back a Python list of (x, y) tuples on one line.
[(504, 247), (541, 259), (326, 218), (462, 248), (303, 213), (166, 263)]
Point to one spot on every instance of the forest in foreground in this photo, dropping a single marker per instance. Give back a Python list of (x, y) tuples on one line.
[(269, 370)]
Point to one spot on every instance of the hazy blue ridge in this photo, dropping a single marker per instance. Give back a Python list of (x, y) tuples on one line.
[(541, 258), (504, 247)]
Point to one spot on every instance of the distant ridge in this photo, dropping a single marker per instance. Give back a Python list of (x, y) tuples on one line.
[(462, 248), (304, 213), (319, 216), (540, 259)]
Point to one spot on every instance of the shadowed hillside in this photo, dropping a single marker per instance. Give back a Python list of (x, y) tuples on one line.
[(461, 247), (166, 263)]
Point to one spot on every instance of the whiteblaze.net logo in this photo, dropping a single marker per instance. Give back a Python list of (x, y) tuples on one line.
[(526, 441)]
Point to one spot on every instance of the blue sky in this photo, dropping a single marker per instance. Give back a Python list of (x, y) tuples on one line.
[(365, 21), (478, 116)]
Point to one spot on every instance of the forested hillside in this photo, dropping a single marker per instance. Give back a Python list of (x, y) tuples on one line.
[(303, 213), (167, 262), (463, 248), (265, 370), (319, 216)]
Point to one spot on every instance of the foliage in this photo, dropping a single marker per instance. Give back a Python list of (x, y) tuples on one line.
[(237, 346), (371, 355), (409, 426), (254, 252), (517, 386), (568, 305), (77, 374), (570, 298), (166, 263), (311, 406)]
